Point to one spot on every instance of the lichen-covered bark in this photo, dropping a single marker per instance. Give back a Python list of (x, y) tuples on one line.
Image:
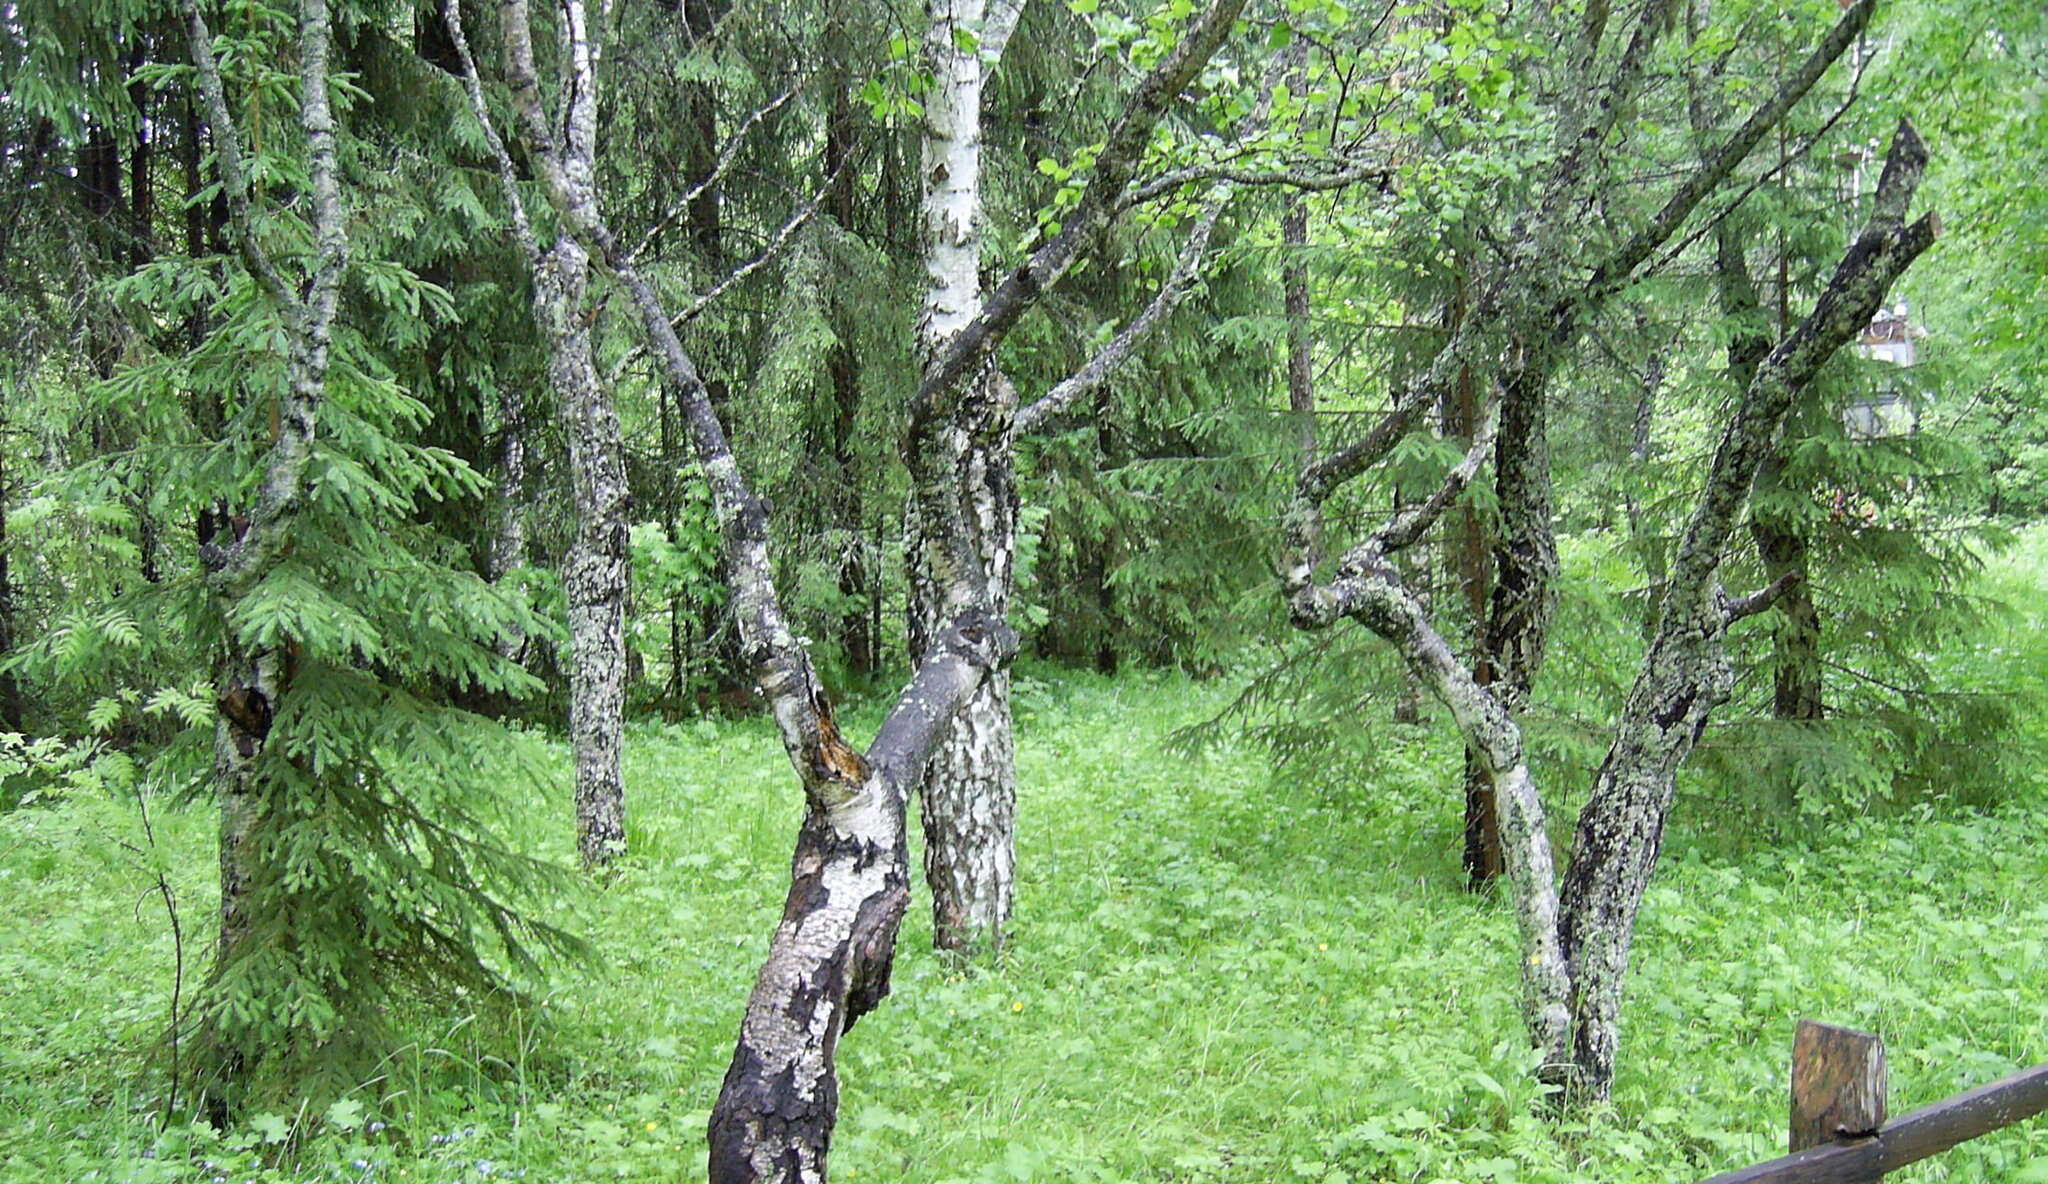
[(238, 550), (594, 572), (1686, 674)]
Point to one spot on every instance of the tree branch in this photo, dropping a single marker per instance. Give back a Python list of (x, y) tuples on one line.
[(1735, 608), (1415, 520), (1615, 270), (726, 156), (1305, 180), (1178, 283), (1125, 147), (508, 173)]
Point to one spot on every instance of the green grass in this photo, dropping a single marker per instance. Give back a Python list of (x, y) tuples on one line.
[(1216, 975)]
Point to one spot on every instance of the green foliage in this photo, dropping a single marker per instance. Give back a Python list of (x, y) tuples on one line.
[(1237, 980)]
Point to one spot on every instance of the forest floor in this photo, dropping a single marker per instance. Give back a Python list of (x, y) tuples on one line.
[(1215, 975)]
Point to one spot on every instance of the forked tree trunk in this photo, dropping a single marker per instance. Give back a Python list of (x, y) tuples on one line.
[(1686, 673), (1576, 942)]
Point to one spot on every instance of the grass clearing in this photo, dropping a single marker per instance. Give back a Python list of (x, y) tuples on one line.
[(1215, 976)]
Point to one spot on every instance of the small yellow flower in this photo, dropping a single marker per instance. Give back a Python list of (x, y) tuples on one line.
[(651, 1125), (1016, 1007), (1323, 946)]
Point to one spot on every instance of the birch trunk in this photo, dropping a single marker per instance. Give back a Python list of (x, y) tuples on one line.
[(508, 537), (594, 572), (962, 527)]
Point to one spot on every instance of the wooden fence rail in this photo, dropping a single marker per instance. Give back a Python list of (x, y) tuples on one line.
[(1839, 1132)]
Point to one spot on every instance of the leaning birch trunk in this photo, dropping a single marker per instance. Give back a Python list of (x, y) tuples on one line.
[(238, 551), (1686, 672)]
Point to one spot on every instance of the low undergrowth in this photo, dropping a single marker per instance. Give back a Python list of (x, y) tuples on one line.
[(1216, 975)]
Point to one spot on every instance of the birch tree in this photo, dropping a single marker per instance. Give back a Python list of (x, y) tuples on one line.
[(962, 519)]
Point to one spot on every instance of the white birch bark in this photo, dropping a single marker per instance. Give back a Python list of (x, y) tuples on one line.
[(961, 530)]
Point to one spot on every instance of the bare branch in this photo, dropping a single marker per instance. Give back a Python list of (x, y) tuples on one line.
[(508, 173), (1735, 608), (1616, 269), (1411, 523), (726, 156), (1178, 283)]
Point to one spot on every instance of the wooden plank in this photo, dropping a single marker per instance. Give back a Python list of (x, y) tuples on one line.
[(1925, 1132), (1838, 1084)]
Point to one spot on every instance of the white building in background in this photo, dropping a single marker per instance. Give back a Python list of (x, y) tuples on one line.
[(1888, 410)]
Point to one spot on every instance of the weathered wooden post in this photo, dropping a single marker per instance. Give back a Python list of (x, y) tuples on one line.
[(1838, 1085)]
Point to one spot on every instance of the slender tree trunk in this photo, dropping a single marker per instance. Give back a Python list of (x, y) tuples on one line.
[(1641, 451), (594, 574), (860, 642), (11, 718), (237, 551), (508, 536), (1795, 635), (1472, 566)]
